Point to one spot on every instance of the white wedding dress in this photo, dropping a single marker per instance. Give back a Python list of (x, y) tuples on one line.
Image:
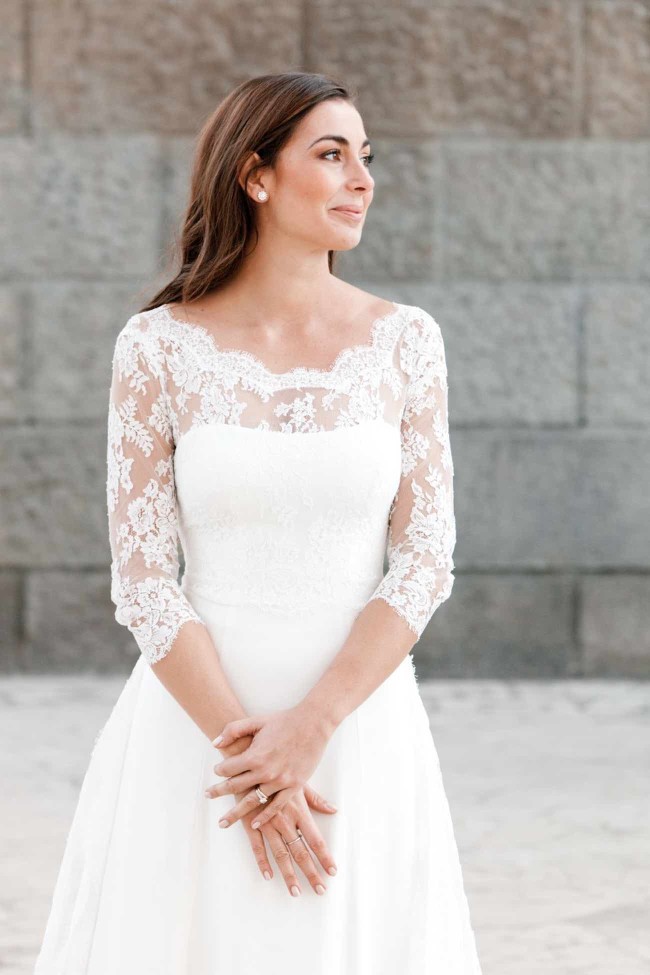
[(286, 491)]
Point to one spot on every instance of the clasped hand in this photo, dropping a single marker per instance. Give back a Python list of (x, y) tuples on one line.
[(286, 748)]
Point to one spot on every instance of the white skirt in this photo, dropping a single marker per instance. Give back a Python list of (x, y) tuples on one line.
[(150, 885)]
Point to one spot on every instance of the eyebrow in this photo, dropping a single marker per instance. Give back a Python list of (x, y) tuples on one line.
[(338, 138)]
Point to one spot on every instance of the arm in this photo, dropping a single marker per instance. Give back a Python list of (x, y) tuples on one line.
[(143, 532), (421, 539)]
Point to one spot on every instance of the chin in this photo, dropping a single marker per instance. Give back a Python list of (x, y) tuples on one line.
[(345, 243)]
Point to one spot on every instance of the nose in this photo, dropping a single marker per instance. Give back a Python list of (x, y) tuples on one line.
[(362, 178)]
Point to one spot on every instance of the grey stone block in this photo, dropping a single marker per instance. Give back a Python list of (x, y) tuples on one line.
[(617, 69), (177, 157), (70, 625), (398, 239), (53, 496), (501, 626), (503, 67), (136, 66), (10, 620), (511, 350), (75, 325), (79, 205), (551, 500), (617, 327), (13, 69), (615, 625), (563, 211), (12, 327)]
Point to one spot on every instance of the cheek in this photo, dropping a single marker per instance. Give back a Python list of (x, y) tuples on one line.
[(317, 186)]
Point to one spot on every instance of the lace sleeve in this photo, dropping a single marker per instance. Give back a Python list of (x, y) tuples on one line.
[(141, 498), (422, 529)]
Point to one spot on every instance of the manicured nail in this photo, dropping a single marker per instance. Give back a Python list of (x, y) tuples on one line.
[(207, 793), (330, 806), (331, 871), (224, 823), (255, 825), (295, 891), (267, 875), (217, 741), (320, 889)]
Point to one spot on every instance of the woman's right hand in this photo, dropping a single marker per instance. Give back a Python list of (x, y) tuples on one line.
[(284, 827)]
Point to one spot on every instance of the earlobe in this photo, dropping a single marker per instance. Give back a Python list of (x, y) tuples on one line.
[(246, 169)]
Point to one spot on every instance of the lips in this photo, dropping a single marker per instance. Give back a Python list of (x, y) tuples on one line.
[(349, 209)]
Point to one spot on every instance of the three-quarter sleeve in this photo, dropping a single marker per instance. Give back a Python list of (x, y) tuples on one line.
[(141, 497), (422, 528)]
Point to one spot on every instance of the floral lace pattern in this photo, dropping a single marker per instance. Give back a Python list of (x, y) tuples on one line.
[(170, 378), (422, 534)]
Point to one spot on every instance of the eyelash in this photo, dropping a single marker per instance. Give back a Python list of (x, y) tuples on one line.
[(369, 158)]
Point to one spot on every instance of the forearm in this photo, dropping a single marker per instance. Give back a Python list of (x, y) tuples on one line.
[(193, 675), (378, 642)]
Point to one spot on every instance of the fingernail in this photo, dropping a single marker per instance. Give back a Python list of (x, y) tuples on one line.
[(255, 825), (295, 891), (217, 741), (224, 823), (207, 793), (330, 806), (267, 875), (320, 889), (331, 871)]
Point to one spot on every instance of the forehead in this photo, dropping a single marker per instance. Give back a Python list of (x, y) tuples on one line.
[(332, 116)]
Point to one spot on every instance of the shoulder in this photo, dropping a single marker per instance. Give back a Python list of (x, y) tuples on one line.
[(142, 325), (420, 321), (137, 344), (422, 333)]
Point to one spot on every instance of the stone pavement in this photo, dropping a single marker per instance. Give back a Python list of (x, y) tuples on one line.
[(548, 784)]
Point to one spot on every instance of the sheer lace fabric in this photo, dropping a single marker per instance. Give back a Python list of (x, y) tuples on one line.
[(171, 381)]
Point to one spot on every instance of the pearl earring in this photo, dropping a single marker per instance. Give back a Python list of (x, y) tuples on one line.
[(262, 195)]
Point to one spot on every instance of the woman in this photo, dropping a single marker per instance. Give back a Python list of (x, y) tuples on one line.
[(285, 427)]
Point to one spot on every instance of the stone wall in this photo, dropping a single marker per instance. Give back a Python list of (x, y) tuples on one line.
[(512, 145)]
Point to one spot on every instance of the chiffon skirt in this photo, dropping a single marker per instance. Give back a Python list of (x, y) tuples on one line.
[(150, 885)]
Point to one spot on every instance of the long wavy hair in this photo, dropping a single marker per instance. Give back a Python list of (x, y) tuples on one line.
[(259, 115)]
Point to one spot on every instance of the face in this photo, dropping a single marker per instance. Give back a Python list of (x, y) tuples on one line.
[(315, 175)]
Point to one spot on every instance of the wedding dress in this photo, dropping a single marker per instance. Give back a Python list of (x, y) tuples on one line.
[(286, 491)]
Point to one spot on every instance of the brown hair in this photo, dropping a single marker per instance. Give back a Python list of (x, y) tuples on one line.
[(259, 115)]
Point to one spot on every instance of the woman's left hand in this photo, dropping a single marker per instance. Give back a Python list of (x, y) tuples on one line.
[(286, 748)]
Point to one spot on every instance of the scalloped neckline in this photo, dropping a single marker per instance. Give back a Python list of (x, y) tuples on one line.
[(310, 371)]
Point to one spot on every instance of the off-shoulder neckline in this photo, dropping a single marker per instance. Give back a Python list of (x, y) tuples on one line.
[(309, 372)]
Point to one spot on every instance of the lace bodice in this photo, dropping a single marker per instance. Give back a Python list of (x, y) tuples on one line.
[(280, 536)]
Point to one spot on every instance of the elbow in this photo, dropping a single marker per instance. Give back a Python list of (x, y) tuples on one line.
[(444, 583), (153, 609)]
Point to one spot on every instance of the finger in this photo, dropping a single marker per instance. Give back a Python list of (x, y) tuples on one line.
[(316, 801), (316, 843), (275, 805), (245, 805), (237, 729), (251, 801), (233, 785), (283, 859), (302, 856), (234, 765), (256, 838)]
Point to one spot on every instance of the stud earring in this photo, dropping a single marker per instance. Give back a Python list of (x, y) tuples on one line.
[(262, 195)]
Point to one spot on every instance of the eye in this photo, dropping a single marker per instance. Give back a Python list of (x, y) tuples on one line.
[(367, 158)]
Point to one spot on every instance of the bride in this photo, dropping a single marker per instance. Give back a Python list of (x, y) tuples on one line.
[(289, 432)]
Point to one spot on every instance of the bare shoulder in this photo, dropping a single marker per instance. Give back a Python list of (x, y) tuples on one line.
[(368, 304), (421, 322)]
